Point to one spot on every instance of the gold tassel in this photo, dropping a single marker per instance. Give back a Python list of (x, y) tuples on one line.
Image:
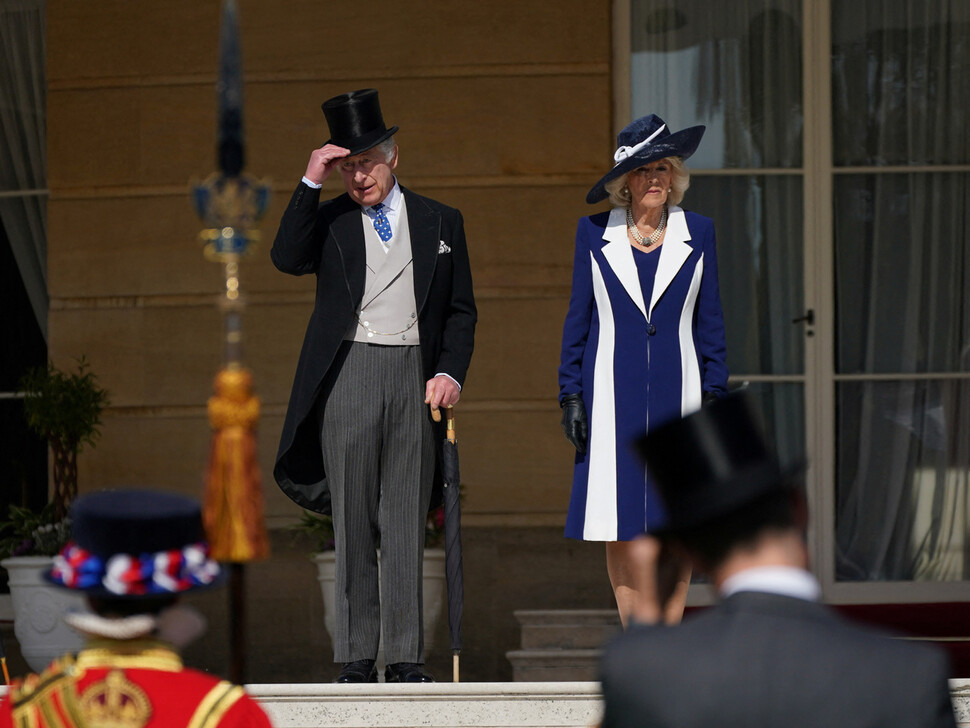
[(233, 507)]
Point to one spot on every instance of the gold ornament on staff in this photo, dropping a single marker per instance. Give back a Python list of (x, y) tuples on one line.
[(230, 204)]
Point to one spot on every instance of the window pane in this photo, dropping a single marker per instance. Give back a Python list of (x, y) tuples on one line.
[(902, 256), (783, 407), (759, 245), (902, 460), (900, 81), (735, 67)]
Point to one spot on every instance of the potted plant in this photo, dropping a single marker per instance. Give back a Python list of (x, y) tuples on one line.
[(320, 529), (65, 408)]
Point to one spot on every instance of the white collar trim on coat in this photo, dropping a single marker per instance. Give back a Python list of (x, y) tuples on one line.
[(619, 254)]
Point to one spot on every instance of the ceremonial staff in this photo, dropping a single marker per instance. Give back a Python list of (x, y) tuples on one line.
[(230, 204)]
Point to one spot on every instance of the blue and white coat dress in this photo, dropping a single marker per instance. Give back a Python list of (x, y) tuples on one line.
[(638, 358)]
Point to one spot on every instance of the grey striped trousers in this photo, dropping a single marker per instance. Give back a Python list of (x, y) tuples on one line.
[(379, 454)]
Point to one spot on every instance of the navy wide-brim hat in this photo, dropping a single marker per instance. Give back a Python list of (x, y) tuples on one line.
[(135, 544), (643, 141), (712, 463), (355, 120)]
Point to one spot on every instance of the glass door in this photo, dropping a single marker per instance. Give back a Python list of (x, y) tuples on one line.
[(737, 69), (835, 169), (900, 80)]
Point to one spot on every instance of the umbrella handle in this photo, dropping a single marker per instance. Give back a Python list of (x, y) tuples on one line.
[(449, 421)]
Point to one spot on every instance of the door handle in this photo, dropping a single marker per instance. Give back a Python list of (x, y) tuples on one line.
[(808, 318)]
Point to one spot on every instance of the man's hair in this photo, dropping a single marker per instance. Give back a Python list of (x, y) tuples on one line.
[(386, 148), (714, 541)]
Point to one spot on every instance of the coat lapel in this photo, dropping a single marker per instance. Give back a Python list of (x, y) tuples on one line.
[(425, 226), (673, 253), (619, 254), (348, 233)]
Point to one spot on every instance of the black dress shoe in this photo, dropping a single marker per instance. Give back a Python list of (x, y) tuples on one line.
[(358, 671), (406, 672)]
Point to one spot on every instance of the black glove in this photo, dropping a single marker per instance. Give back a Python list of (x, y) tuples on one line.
[(709, 398), (574, 421)]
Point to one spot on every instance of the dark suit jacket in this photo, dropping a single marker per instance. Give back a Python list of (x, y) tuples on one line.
[(327, 239), (764, 660)]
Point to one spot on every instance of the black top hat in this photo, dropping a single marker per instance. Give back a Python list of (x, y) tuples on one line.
[(135, 544), (355, 120), (642, 141), (712, 463)]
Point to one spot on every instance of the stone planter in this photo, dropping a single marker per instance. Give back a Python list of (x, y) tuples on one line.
[(433, 590), (38, 610)]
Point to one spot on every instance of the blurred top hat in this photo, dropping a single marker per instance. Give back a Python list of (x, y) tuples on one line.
[(712, 463), (135, 544), (355, 120)]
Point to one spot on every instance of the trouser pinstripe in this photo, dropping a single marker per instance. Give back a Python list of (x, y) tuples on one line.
[(379, 454)]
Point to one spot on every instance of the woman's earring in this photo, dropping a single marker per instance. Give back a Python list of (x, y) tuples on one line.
[(625, 190)]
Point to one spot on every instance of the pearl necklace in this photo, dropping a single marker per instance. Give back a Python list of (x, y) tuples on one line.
[(654, 236)]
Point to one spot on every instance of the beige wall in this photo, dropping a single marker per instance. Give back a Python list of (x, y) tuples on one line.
[(504, 111)]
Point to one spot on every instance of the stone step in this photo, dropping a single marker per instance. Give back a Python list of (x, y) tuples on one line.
[(458, 705), (554, 665), (433, 705), (567, 629)]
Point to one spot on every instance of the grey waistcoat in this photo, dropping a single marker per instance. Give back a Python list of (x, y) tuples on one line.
[(388, 314)]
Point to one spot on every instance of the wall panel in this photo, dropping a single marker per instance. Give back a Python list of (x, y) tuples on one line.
[(132, 137), (519, 237), (504, 111), (123, 40)]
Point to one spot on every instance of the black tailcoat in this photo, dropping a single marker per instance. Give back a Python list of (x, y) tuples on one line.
[(327, 239)]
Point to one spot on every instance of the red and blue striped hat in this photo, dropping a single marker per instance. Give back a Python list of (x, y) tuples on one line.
[(135, 544)]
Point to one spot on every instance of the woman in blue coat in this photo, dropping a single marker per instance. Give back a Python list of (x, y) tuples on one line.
[(643, 341)]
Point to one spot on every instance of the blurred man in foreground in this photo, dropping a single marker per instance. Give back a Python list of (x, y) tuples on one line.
[(769, 654)]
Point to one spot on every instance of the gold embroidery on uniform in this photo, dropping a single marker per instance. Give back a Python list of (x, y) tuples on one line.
[(147, 654), (115, 702), (215, 705), (32, 699), (52, 718), (69, 702)]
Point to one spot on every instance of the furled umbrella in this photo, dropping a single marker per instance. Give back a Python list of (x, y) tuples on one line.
[(452, 506)]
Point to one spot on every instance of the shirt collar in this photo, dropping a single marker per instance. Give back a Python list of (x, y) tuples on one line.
[(784, 580), (392, 203)]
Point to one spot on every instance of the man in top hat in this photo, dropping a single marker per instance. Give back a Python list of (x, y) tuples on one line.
[(391, 332), (132, 554), (769, 654)]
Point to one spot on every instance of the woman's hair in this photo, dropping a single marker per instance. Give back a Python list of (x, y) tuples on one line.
[(680, 181)]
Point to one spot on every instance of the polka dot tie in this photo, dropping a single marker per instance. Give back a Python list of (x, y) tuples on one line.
[(381, 223)]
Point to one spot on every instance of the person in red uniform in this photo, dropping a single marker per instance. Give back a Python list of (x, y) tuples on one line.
[(133, 552)]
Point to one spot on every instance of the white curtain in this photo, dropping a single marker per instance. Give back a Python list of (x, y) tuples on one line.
[(901, 80), (736, 68), (23, 160)]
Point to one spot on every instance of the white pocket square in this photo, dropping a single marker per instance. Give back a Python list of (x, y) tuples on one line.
[(443, 247)]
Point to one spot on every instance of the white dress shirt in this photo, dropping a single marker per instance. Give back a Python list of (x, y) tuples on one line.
[(784, 580)]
